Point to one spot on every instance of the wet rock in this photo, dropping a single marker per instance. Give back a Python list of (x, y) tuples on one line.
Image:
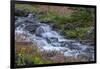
[(71, 25), (20, 12), (90, 36), (89, 50), (43, 29), (48, 22), (31, 28), (88, 42), (85, 57), (55, 27)]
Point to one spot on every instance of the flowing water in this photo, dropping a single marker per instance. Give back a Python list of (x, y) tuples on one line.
[(47, 39)]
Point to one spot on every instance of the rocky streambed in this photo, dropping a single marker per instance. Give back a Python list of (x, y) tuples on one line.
[(29, 29)]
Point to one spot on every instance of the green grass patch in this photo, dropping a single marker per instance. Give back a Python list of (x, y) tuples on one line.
[(27, 7), (76, 33), (28, 55)]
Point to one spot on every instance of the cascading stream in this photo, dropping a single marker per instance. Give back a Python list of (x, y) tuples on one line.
[(49, 40)]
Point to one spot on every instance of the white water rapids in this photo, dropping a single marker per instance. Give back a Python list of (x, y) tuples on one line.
[(50, 40)]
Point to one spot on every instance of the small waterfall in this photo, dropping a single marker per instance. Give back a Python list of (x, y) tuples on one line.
[(43, 29), (50, 40)]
